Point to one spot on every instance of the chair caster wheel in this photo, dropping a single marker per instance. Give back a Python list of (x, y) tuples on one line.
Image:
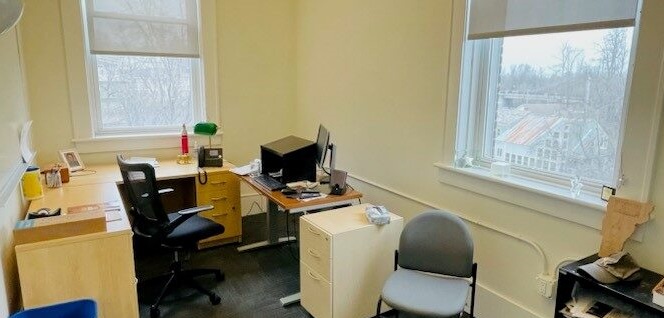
[(214, 299), (219, 276), (154, 312)]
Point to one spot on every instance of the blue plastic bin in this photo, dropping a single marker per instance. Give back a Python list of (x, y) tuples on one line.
[(84, 308)]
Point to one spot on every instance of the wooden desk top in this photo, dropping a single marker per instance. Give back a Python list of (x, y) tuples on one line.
[(66, 197), (291, 204), (168, 169)]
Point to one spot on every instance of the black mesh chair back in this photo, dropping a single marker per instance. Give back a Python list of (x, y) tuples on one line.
[(143, 194)]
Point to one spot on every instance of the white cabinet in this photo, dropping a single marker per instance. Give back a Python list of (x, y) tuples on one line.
[(344, 261)]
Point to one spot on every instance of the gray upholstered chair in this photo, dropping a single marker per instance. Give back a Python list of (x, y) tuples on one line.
[(435, 268)]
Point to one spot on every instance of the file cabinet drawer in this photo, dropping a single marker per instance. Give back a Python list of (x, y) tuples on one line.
[(213, 198), (227, 216), (217, 182), (316, 292), (315, 249)]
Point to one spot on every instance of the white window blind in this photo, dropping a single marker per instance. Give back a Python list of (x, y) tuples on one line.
[(143, 27), (502, 18)]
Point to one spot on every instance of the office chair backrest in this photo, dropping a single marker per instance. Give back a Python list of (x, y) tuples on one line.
[(141, 185), (437, 242)]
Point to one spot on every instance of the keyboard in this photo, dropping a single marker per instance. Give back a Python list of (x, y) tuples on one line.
[(268, 182)]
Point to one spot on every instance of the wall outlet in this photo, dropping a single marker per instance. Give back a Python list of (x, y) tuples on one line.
[(545, 285)]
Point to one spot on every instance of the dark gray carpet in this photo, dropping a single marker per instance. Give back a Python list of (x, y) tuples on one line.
[(255, 280)]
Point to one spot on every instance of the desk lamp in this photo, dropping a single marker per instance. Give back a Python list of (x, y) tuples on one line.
[(211, 157), (206, 129)]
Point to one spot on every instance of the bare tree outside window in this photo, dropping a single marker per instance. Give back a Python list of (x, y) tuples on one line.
[(563, 93), (145, 91)]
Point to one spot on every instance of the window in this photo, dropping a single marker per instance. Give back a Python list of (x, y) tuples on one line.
[(144, 71), (477, 45), (536, 86)]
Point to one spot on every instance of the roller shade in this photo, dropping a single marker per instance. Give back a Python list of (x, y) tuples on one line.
[(502, 18), (143, 27)]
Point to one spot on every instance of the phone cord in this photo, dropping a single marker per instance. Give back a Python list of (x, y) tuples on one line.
[(200, 180)]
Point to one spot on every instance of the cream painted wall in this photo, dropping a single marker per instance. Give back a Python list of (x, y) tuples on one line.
[(256, 69), (256, 42), (375, 72), (12, 103)]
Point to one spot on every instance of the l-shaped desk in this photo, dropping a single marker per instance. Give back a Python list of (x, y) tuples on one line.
[(101, 265)]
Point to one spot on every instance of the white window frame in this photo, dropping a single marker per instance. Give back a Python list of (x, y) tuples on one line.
[(81, 93), (644, 98)]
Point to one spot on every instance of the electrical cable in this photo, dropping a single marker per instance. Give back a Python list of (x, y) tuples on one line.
[(254, 203), (288, 244)]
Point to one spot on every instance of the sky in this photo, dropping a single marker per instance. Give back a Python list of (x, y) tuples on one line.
[(543, 50)]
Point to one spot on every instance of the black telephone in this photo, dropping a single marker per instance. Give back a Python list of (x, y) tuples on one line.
[(210, 157)]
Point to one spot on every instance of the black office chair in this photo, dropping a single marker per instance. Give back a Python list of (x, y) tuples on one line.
[(176, 231)]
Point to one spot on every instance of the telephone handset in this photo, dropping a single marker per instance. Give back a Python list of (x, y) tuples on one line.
[(208, 157)]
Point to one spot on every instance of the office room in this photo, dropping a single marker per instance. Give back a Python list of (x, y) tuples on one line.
[(393, 82)]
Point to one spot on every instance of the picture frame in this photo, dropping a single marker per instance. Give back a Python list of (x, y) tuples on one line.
[(72, 159)]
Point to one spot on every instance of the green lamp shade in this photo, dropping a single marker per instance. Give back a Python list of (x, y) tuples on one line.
[(207, 129)]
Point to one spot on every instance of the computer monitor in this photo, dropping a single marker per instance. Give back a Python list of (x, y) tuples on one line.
[(322, 143)]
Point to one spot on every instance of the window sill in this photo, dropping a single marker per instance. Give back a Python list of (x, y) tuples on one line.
[(552, 200), (139, 142)]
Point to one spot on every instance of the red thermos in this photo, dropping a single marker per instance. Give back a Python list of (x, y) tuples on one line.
[(184, 139)]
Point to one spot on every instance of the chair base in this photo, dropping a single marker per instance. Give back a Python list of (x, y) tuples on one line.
[(179, 277)]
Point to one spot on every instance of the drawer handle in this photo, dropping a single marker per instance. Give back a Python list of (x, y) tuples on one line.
[(217, 182), (220, 214), (312, 231), (310, 274), (217, 199), (313, 253)]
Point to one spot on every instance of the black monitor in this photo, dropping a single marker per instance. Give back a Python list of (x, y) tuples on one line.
[(322, 143)]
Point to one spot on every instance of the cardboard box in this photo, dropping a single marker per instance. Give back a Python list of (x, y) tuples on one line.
[(55, 227)]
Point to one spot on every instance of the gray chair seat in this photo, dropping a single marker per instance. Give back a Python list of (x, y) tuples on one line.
[(424, 294)]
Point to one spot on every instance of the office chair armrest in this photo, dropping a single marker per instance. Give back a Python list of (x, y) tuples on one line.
[(196, 209), (164, 191), (185, 215)]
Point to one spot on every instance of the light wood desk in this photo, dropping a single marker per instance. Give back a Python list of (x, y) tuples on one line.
[(98, 265), (101, 265), (222, 190), (276, 201)]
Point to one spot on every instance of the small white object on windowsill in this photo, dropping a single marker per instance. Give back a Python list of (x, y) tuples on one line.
[(500, 169)]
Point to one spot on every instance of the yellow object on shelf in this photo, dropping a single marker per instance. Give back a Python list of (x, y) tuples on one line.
[(184, 159), (31, 184)]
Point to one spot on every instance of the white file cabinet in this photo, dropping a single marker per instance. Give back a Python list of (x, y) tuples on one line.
[(344, 261)]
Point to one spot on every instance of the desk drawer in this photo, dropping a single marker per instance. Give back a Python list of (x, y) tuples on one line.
[(316, 292), (229, 217), (315, 248), (217, 182), (213, 198)]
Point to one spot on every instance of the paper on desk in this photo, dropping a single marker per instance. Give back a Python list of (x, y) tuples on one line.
[(113, 216), (243, 171), (152, 161), (321, 196)]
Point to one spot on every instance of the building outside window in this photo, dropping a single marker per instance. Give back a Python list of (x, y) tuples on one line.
[(540, 83)]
